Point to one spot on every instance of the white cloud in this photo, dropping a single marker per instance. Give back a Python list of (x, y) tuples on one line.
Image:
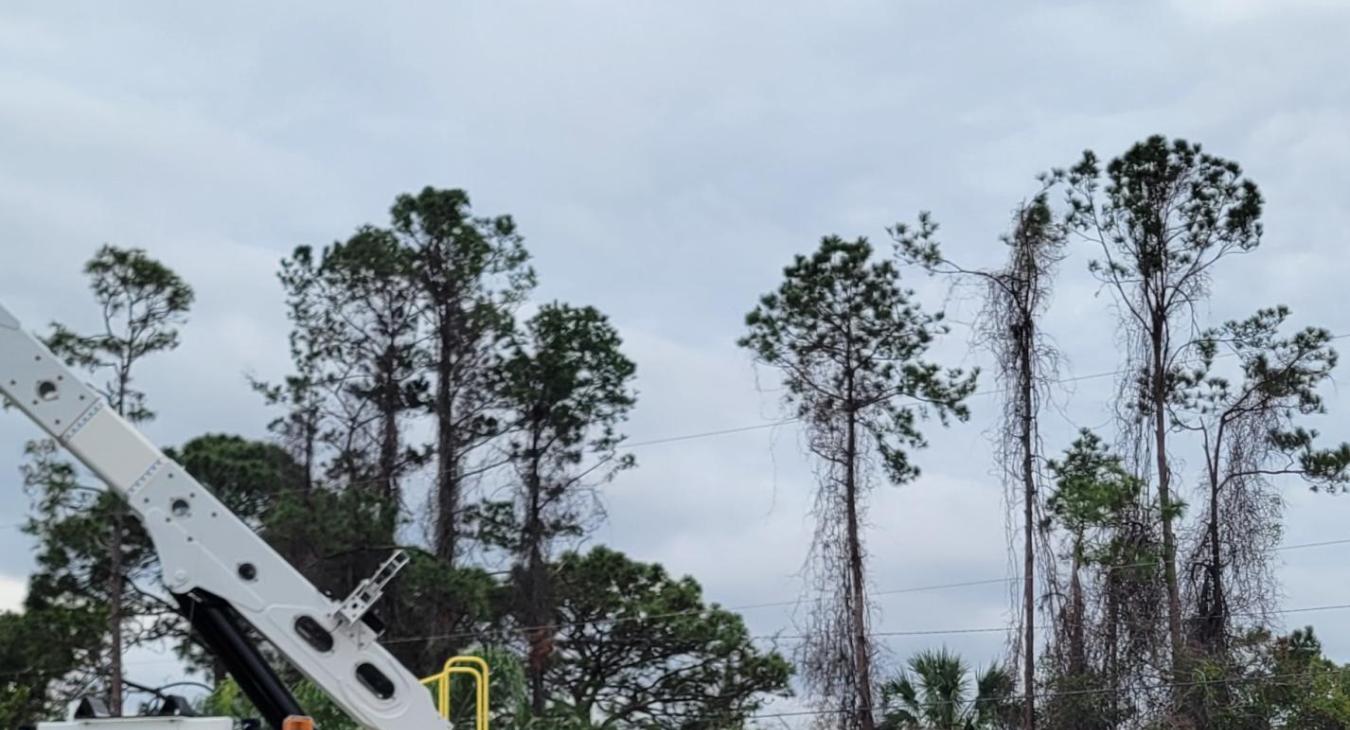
[(12, 593)]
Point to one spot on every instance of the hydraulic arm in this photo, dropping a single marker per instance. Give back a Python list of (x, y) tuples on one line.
[(223, 575)]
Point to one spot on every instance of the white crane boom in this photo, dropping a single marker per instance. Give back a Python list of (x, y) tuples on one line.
[(214, 564)]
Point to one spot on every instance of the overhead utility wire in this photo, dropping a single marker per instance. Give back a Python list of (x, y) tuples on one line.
[(613, 620), (1005, 629), (1269, 680)]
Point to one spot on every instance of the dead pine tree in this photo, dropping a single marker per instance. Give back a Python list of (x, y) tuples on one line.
[(1015, 297), (850, 343), (1162, 216)]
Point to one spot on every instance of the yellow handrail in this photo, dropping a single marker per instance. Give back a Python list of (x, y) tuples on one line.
[(482, 683), (441, 681)]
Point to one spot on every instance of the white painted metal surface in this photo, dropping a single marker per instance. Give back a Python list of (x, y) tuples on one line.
[(142, 723), (371, 589), (202, 545)]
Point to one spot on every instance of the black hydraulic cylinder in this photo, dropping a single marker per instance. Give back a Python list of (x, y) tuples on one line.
[(220, 628)]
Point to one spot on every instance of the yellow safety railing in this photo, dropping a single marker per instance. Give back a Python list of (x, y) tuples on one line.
[(440, 684)]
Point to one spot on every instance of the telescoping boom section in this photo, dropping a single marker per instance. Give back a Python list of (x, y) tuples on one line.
[(224, 577)]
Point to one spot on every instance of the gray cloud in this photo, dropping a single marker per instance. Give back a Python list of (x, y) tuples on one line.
[(665, 161)]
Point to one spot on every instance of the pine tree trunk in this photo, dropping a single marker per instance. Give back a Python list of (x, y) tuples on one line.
[(862, 656), (1077, 607), (1025, 334), (1113, 641), (447, 449), (115, 610), (536, 595), (1218, 618), (1159, 398), (116, 599), (311, 436), (389, 443), (537, 615)]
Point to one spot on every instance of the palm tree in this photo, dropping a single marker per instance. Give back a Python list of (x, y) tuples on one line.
[(935, 694)]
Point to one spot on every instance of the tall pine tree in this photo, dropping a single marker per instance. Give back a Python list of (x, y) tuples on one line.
[(565, 387), (850, 344), (91, 551)]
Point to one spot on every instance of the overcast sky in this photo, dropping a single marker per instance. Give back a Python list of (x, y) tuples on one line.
[(664, 161)]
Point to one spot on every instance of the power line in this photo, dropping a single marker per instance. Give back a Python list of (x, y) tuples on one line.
[(709, 434), (791, 420), (1270, 680), (613, 620), (1005, 629), (767, 637)]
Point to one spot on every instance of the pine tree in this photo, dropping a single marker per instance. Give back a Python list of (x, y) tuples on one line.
[(1250, 432), (1166, 216), (850, 343), (565, 387), (472, 273), (91, 551)]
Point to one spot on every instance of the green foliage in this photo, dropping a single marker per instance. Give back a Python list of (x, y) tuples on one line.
[(248, 476), (1280, 381), (1282, 683), (354, 306), (1093, 491), (1163, 215), (936, 694), (470, 266), (508, 695), (850, 342), (142, 302), (38, 649), (566, 380), (1081, 701), (565, 386), (1251, 431), (1169, 208), (1306, 690), (1114, 562), (438, 610), (636, 648)]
